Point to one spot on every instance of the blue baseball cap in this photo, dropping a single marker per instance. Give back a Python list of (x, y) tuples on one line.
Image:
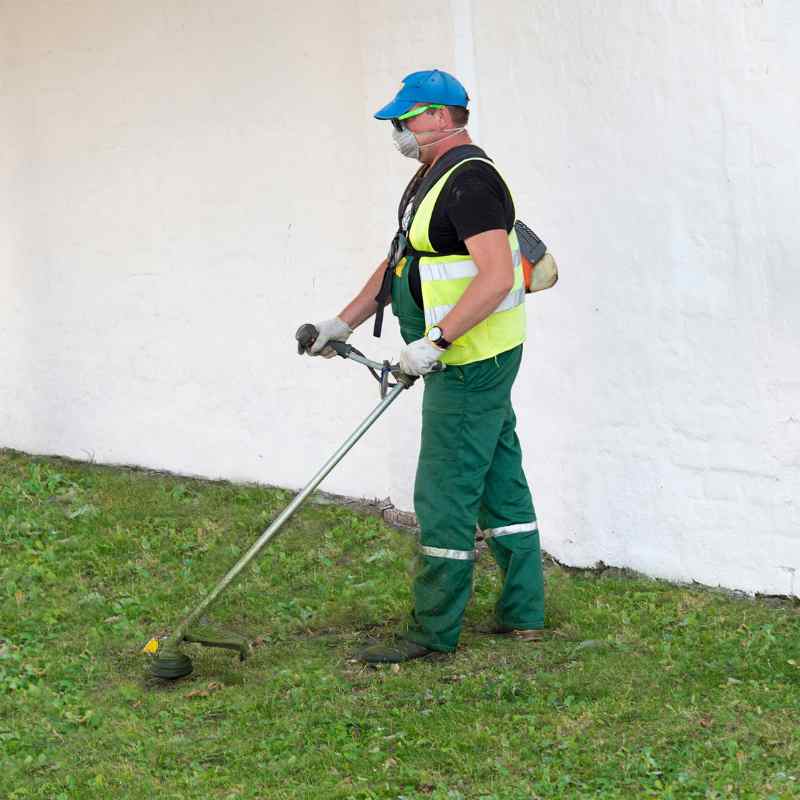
[(428, 86)]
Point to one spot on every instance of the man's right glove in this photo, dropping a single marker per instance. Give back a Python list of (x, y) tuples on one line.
[(331, 329), (420, 357)]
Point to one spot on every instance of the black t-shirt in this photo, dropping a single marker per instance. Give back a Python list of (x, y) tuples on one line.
[(474, 200)]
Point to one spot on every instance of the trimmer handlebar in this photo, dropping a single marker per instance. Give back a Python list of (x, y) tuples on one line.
[(307, 334)]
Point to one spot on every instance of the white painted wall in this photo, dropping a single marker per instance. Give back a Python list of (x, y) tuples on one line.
[(182, 184)]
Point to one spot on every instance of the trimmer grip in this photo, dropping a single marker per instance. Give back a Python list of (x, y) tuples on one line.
[(340, 348), (306, 336)]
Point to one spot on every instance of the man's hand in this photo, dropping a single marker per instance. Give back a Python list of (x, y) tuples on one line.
[(420, 357), (331, 329)]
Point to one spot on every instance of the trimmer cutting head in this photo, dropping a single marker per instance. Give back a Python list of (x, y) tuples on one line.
[(169, 663)]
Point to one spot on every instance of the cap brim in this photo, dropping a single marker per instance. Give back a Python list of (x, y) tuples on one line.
[(394, 109)]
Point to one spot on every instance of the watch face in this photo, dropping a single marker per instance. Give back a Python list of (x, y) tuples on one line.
[(435, 333)]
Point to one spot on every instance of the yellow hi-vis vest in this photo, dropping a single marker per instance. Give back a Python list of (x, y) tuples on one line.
[(444, 279)]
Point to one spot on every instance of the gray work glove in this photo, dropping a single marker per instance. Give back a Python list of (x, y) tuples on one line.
[(420, 357), (330, 330)]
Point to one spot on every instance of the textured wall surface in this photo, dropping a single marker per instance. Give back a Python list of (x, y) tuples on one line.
[(181, 185), (664, 409)]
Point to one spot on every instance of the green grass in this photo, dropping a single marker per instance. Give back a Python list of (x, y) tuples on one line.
[(643, 689)]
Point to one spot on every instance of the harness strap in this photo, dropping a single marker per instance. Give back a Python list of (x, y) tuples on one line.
[(422, 182), (384, 293)]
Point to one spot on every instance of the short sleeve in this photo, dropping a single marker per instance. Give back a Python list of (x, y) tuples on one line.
[(476, 203)]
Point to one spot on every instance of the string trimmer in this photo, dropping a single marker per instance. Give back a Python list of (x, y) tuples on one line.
[(167, 659)]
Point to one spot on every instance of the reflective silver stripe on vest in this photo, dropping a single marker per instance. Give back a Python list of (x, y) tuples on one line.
[(448, 270), (433, 316), (454, 270), (506, 530), (513, 299), (441, 552)]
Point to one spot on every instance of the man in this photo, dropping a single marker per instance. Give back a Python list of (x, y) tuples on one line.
[(456, 286)]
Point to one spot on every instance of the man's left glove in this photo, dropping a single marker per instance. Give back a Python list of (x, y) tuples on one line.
[(420, 357), (331, 329)]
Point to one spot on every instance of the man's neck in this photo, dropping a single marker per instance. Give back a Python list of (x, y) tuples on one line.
[(443, 147)]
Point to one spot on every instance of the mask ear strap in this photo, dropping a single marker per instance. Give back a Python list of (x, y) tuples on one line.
[(455, 131)]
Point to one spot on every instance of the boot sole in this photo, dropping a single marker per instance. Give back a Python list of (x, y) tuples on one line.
[(531, 635)]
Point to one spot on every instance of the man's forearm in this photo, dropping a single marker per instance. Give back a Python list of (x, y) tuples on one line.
[(492, 256), (479, 300), (363, 305)]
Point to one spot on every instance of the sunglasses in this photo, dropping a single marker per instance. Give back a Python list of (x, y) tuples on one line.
[(397, 122)]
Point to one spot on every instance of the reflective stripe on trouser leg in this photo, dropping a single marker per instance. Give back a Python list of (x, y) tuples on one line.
[(507, 530), (509, 521), (463, 413), (443, 552)]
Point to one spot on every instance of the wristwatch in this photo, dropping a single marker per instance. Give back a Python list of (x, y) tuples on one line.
[(437, 337)]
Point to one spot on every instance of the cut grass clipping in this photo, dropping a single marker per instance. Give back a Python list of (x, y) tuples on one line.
[(642, 689)]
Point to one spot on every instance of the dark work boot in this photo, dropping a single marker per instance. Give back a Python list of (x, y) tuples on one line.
[(392, 652), (524, 634)]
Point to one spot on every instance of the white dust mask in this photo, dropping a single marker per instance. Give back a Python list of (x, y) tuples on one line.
[(407, 143)]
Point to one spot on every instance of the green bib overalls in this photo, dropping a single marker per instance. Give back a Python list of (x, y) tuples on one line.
[(469, 470)]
